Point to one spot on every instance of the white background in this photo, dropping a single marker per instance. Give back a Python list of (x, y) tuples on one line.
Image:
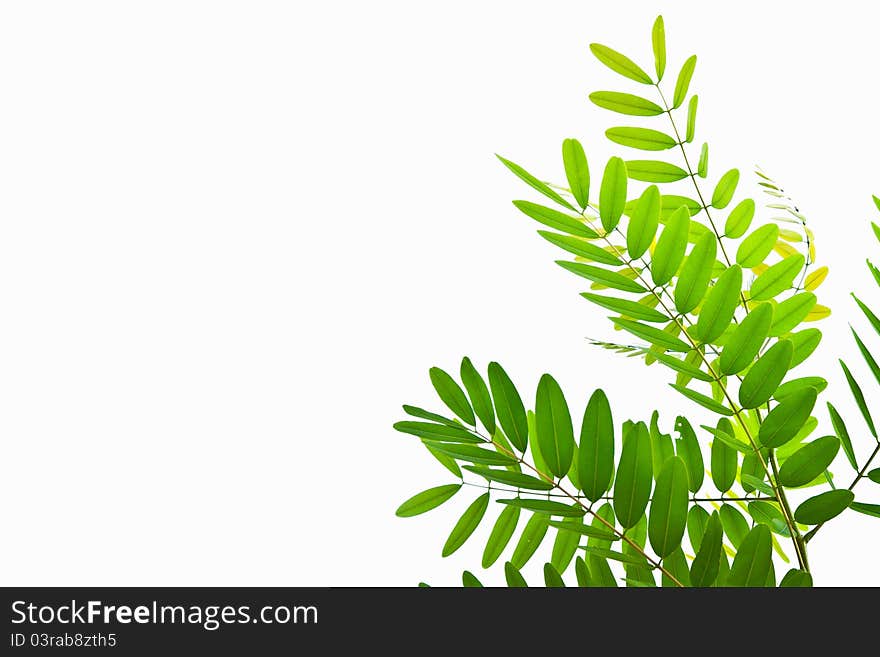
[(234, 236)]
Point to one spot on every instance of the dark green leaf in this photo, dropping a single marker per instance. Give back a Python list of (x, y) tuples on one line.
[(658, 42), (596, 450), (809, 462), (478, 391), (769, 514), (554, 429), (625, 103), (427, 500), (509, 407), (746, 340), (671, 246), (725, 189), (466, 525), (704, 569), (415, 411), (869, 358), (734, 523), (859, 396), (723, 459), (514, 578), (501, 534), (684, 81), (566, 544), (615, 556), (720, 305), (688, 448), (620, 63), (641, 138), (867, 509), (785, 421), (753, 560), (472, 453), (627, 308), (452, 395), (469, 580), (757, 482), (577, 171), (548, 507), (843, 434), (581, 247), (823, 507), (791, 312), (509, 478), (669, 506), (777, 278), (651, 334), (602, 276), (552, 578), (740, 218), (533, 182), (875, 321), (612, 193), (654, 171), (632, 487), (555, 219), (874, 475), (676, 565), (529, 540), (697, 519), (766, 374), (440, 432), (795, 578), (643, 223), (446, 461), (703, 400), (693, 280), (571, 525)]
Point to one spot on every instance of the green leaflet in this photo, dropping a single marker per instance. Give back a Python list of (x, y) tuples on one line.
[(704, 569), (725, 189), (513, 577), (614, 555), (602, 276), (533, 182), (440, 432), (555, 219), (600, 572), (669, 505), (693, 281), (726, 436), (687, 447), (757, 246), (625, 103), (691, 119), (746, 340), (426, 500), (582, 573), (859, 397), (723, 459), (596, 450), (572, 525), (809, 462), (632, 486), (654, 171), (869, 359), (603, 520), (683, 367), (766, 374), (469, 580), (777, 278), (823, 507), (805, 343), (875, 321), (751, 472), (446, 461), (641, 138), (577, 171), (740, 218), (547, 507), (472, 453), (620, 63), (581, 247), (661, 445), (751, 566), (554, 429), (795, 578), (874, 475), (652, 334), (683, 81), (702, 400), (791, 312), (669, 203), (785, 421), (769, 514), (529, 540), (612, 193), (509, 478), (671, 246), (509, 407), (658, 43), (867, 509), (643, 223), (566, 544), (789, 387), (703, 163), (677, 565), (415, 411), (720, 305), (627, 308), (478, 392), (466, 525), (552, 578), (452, 395), (735, 524), (843, 434), (501, 534)]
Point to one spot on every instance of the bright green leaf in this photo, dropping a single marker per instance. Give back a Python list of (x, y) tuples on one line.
[(684, 81), (671, 246), (766, 374), (654, 171), (632, 486), (625, 103), (643, 223), (693, 280), (757, 246), (725, 189), (466, 525), (577, 171), (620, 63), (642, 138), (669, 505), (509, 407), (427, 500), (554, 429), (809, 462)]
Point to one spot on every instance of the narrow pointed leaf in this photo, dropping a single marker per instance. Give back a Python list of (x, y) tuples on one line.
[(658, 43), (534, 183), (725, 189), (566, 544), (687, 447), (671, 247), (415, 411), (652, 334), (766, 374), (614, 555), (683, 81), (823, 507), (466, 525), (478, 392), (517, 479), (753, 560), (777, 278), (703, 163), (643, 223), (669, 505), (427, 500), (552, 578), (843, 434), (867, 509), (723, 460), (682, 366), (791, 312), (746, 340), (509, 407), (547, 507), (581, 247), (596, 450), (704, 569), (632, 486), (554, 429), (473, 454), (740, 218), (627, 308), (859, 396), (794, 385), (612, 193), (735, 524), (501, 534), (757, 246), (691, 119), (469, 580), (869, 358), (513, 577), (620, 63), (530, 540), (571, 525), (693, 280), (439, 432), (720, 304), (703, 400), (577, 171), (555, 219), (642, 138), (452, 395), (654, 171), (625, 103)]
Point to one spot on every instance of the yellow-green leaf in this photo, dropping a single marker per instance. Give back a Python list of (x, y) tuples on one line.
[(658, 42), (757, 246), (643, 224), (577, 171), (761, 381), (654, 171), (612, 193), (625, 103), (740, 218), (720, 305), (641, 138), (725, 189), (620, 63), (683, 81), (777, 278), (693, 281), (671, 247)]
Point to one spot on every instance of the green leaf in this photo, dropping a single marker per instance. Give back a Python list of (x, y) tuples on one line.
[(761, 381), (472, 453), (726, 437), (509, 407), (703, 163), (469, 580), (740, 218), (612, 193), (625, 103), (632, 486), (682, 366), (513, 577), (875, 321), (823, 507), (867, 509), (554, 429), (671, 246), (627, 308), (501, 534), (795, 578), (622, 557), (452, 395), (446, 461), (529, 540), (548, 507), (720, 305), (785, 421), (641, 138), (669, 505), (654, 171), (704, 569), (687, 447), (746, 340), (533, 182), (809, 462), (693, 280), (777, 278), (869, 358), (555, 219), (684, 81), (658, 42), (426, 500), (757, 246), (552, 578), (466, 525), (874, 475), (620, 63), (697, 520), (735, 525), (676, 564), (570, 525), (859, 396), (566, 544), (596, 450), (725, 189), (791, 312), (478, 391), (643, 224), (805, 343), (702, 400), (415, 411), (652, 334), (691, 119), (517, 479), (789, 387), (581, 247), (843, 434), (770, 515), (440, 432), (669, 203), (577, 171), (723, 459), (753, 560)]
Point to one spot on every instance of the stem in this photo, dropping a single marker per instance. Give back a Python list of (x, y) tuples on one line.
[(609, 498)]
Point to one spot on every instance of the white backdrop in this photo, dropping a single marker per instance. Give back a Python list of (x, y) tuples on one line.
[(234, 236)]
